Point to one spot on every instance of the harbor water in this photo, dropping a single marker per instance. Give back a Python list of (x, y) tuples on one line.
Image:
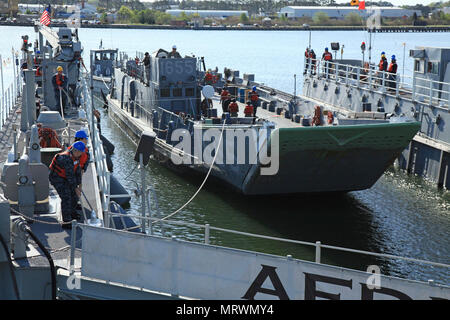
[(400, 215)]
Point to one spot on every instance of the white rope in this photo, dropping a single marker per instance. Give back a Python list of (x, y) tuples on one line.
[(206, 178)]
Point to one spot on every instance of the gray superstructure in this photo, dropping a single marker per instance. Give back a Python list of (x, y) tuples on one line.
[(424, 95)]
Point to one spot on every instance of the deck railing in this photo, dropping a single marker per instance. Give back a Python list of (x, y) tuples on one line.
[(103, 173), (409, 87), (317, 246)]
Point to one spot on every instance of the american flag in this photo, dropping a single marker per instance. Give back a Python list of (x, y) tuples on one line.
[(45, 18)]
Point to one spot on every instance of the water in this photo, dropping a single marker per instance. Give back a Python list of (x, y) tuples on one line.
[(401, 215)]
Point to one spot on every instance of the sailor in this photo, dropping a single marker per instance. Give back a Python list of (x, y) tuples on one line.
[(254, 99), (313, 60), (146, 62), (307, 61), (174, 53), (209, 78), (59, 81), (65, 176), (205, 105), (248, 110), (82, 136), (233, 108), (392, 69), (327, 57), (225, 98), (382, 68)]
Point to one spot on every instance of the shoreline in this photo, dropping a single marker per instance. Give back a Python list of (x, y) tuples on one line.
[(247, 28)]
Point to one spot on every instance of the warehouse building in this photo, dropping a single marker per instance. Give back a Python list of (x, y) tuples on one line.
[(341, 12), (207, 13)]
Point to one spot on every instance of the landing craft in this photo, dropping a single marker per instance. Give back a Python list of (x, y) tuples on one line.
[(314, 147)]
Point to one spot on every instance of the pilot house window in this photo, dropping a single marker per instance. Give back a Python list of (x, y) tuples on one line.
[(189, 92), (165, 93), (432, 67), (419, 66), (177, 92)]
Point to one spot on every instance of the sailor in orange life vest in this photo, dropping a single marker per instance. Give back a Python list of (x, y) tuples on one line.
[(65, 176), (307, 61), (225, 98), (233, 108), (327, 57), (312, 59), (208, 77), (248, 110), (254, 99), (82, 136), (392, 69), (59, 81)]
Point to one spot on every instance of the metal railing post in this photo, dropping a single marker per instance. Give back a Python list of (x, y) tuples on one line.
[(318, 253), (346, 74), (431, 92), (336, 71), (207, 233), (397, 86), (72, 247), (413, 94), (358, 74), (370, 78)]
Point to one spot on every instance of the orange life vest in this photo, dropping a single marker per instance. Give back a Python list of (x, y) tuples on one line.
[(233, 107), (381, 65), (48, 138), (317, 121), (61, 171), (392, 68), (38, 72), (254, 96), (224, 94), (248, 110), (83, 158), (330, 117), (208, 77), (327, 56), (59, 80)]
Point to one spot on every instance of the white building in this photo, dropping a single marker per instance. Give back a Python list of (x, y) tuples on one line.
[(208, 13), (341, 12)]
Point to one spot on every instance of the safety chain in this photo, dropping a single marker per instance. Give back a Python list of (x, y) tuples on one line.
[(37, 220)]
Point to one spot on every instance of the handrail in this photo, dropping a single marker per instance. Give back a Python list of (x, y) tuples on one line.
[(373, 78), (99, 154), (207, 228)]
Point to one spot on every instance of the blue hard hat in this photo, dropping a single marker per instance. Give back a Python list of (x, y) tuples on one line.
[(81, 134), (383, 52), (38, 51), (326, 49), (79, 145), (393, 57), (254, 88)]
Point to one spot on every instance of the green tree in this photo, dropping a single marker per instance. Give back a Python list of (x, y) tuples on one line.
[(162, 17), (104, 18), (244, 18), (353, 19), (321, 18), (125, 14)]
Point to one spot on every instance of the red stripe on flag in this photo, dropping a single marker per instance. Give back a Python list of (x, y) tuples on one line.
[(45, 18)]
